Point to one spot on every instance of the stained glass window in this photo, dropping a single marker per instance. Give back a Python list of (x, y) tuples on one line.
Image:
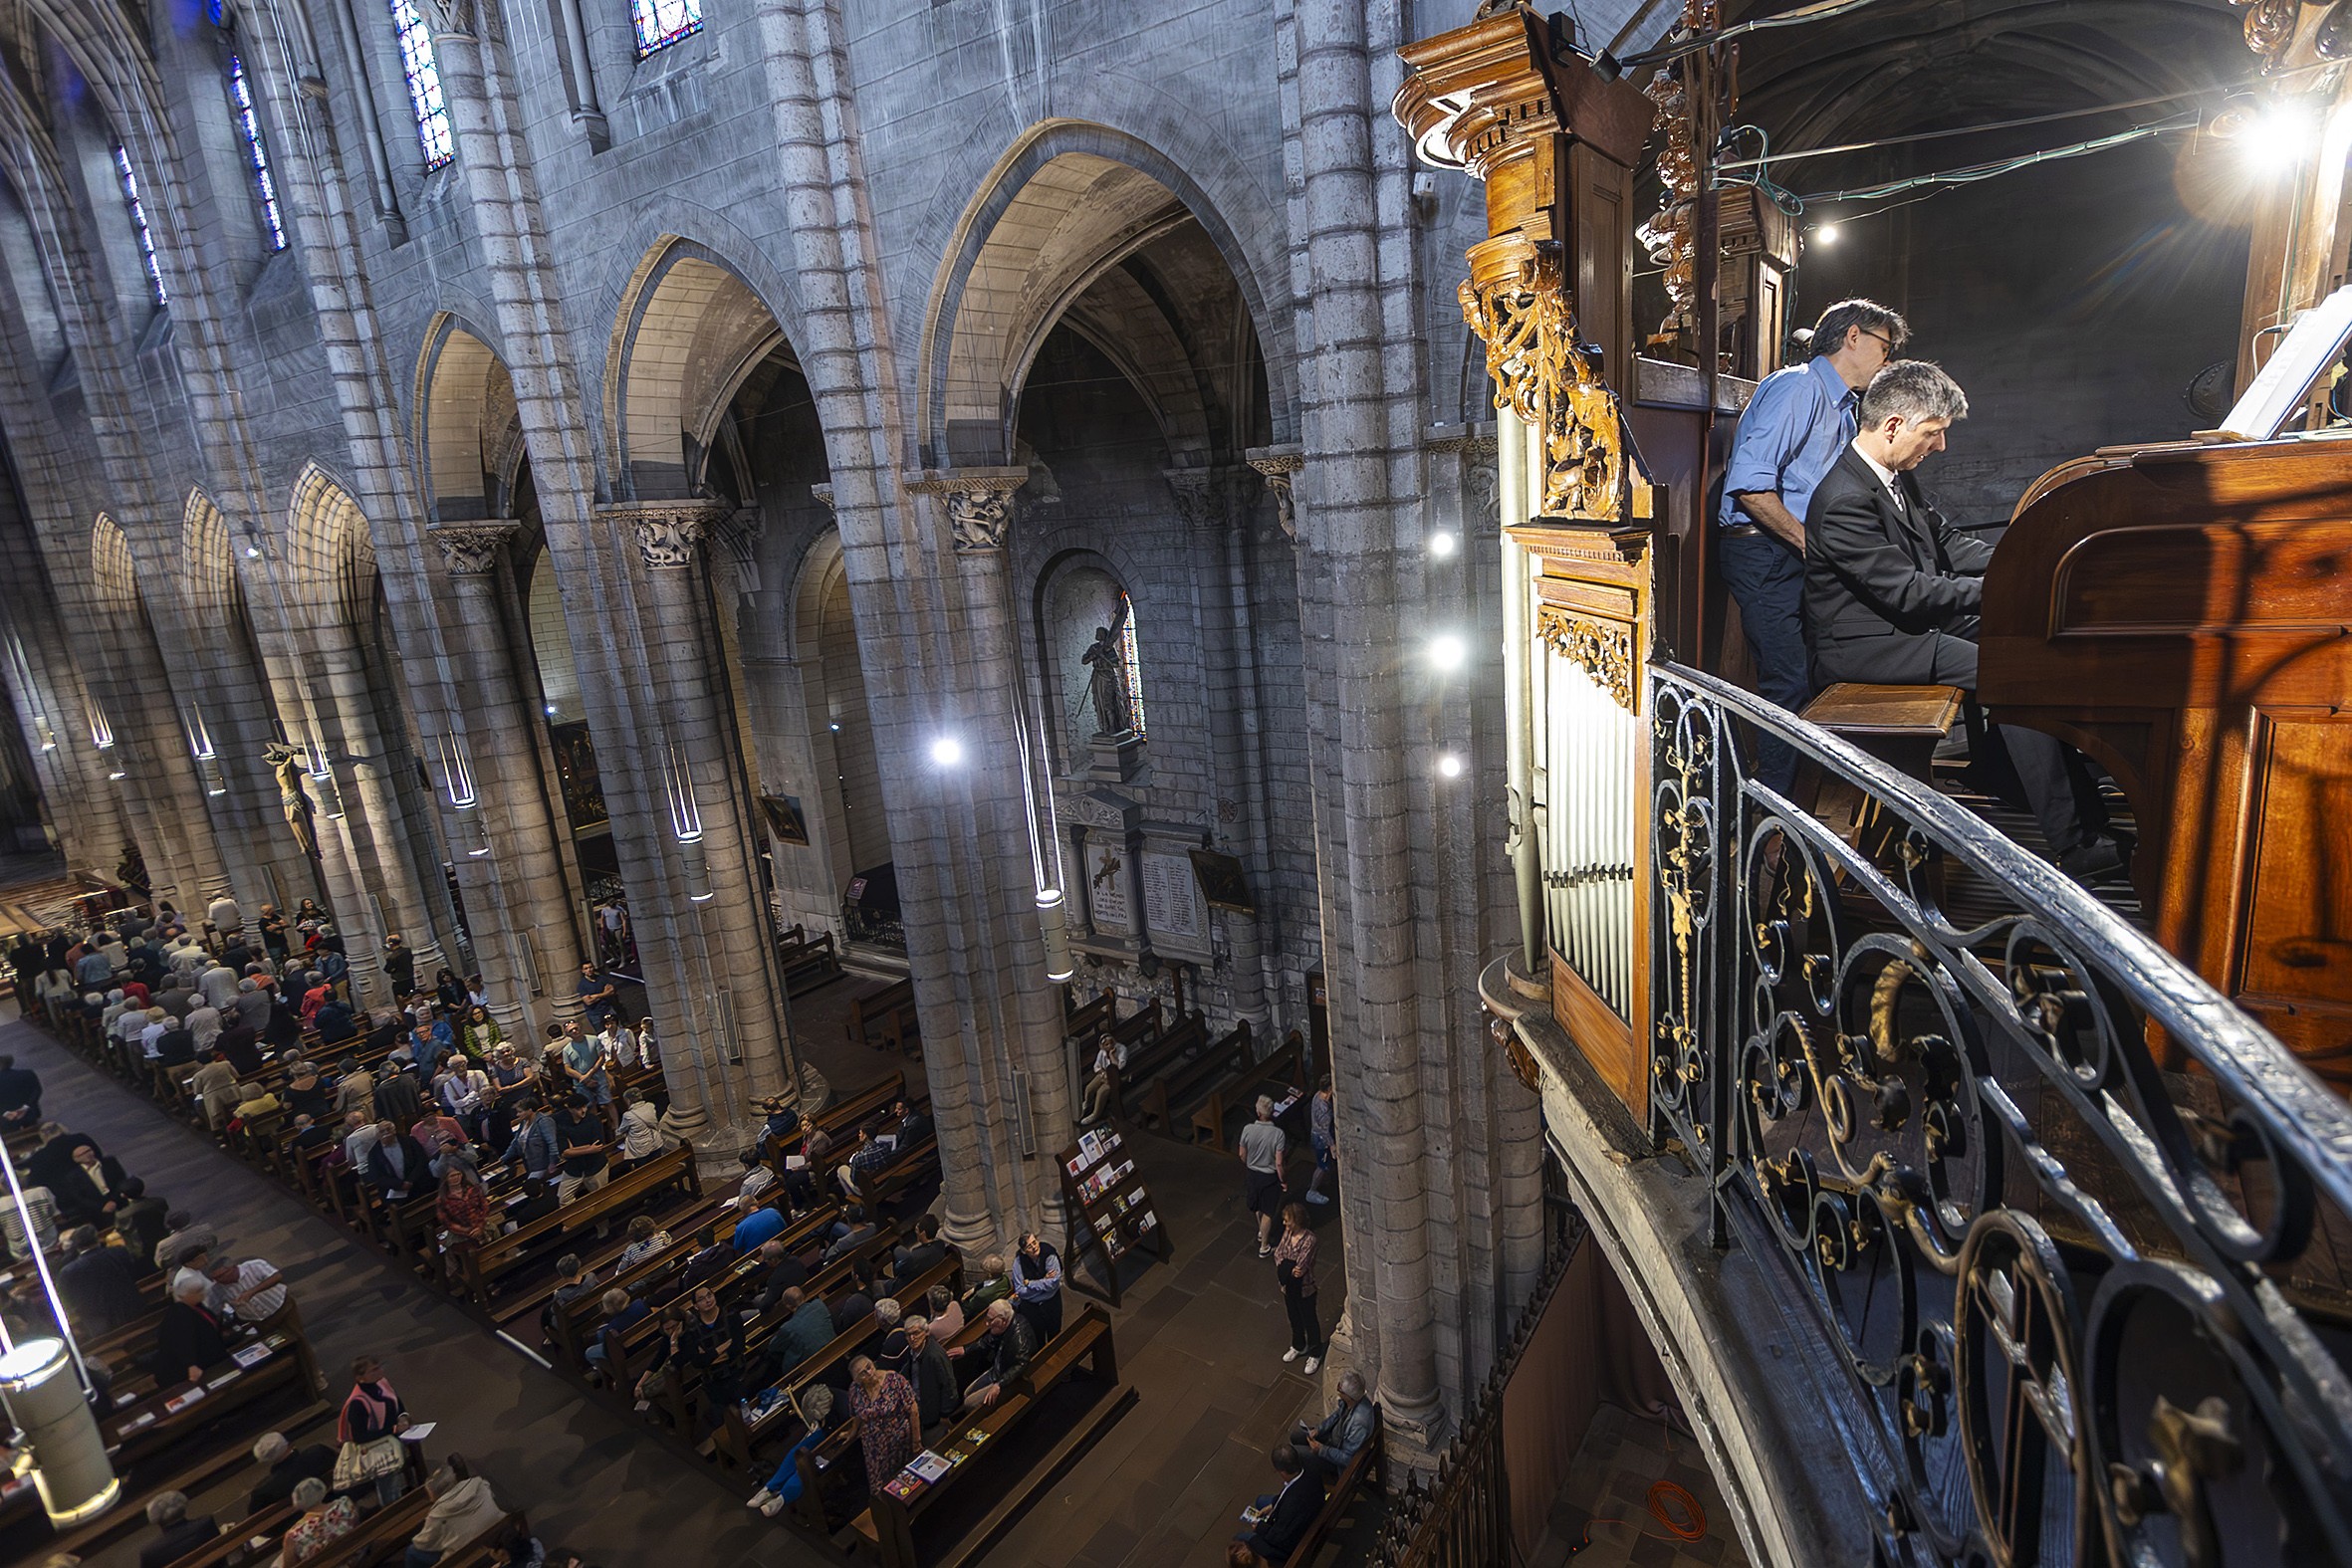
[(256, 153), (138, 222), (425, 85), (1134, 663), (661, 23)]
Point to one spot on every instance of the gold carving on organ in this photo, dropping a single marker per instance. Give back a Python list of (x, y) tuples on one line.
[(1517, 300), (1601, 649)]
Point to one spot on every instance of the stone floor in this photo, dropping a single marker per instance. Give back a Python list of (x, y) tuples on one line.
[(1603, 1519), (1200, 1339)]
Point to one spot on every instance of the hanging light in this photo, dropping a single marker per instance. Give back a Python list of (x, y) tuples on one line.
[(207, 757), (686, 825), (457, 787), (44, 1387), (1052, 925)]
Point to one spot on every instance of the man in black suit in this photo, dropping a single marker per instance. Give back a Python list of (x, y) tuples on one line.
[(1293, 1512), (1892, 592)]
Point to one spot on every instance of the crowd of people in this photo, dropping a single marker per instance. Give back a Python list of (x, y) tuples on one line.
[(241, 1025)]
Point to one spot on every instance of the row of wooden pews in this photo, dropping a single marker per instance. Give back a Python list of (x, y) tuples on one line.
[(1180, 1081)]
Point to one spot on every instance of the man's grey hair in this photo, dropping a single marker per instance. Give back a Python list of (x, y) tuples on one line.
[(1829, 333), (167, 1508), (272, 1448), (1913, 391), (887, 1312), (1351, 1384)]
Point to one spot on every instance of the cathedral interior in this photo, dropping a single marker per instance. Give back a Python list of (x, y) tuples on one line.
[(1296, 782)]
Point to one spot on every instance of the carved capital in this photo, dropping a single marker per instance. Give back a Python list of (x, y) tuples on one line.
[(824, 496), (451, 17), (979, 504), (1602, 649), (1196, 492), (1277, 465), (668, 532), (471, 549)]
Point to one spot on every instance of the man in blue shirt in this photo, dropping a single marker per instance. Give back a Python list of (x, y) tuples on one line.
[(1795, 426)]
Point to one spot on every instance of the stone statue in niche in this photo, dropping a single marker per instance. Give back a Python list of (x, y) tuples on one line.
[(286, 763), (1106, 687)]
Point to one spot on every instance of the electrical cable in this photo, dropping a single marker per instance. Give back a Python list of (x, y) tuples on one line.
[(1821, 12), (1970, 131), (1672, 1505), (1973, 172)]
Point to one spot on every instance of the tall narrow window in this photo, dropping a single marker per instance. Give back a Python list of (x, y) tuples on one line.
[(138, 222), (661, 23), (257, 155), (425, 85), (1133, 662)]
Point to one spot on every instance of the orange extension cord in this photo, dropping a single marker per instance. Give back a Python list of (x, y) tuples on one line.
[(1673, 1508)]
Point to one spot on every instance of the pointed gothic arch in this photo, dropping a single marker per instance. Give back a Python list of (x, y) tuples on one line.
[(690, 334)]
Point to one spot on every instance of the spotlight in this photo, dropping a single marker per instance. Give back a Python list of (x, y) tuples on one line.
[(837, 729), (947, 751), (1448, 765), (1826, 234), (1441, 544), (551, 710), (1447, 652), (253, 553)]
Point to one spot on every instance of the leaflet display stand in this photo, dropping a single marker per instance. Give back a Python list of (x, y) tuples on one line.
[(1110, 1209)]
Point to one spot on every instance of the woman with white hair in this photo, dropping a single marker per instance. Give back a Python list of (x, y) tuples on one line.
[(781, 1489), (321, 1523)]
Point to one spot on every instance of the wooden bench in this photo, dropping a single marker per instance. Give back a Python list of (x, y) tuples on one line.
[(1175, 1092), (886, 1531), (1900, 726), (886, 1017), (1132, 1083), (1084, 1024), (808, 962), (483, 1265), (1281, 1069), (1363, 1470), (197, 1477)]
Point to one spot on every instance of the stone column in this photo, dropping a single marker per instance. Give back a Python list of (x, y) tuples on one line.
[(519, 888), (998, 1054), (730, 998)]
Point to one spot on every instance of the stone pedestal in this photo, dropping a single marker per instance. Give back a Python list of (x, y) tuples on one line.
[(1118, 760)]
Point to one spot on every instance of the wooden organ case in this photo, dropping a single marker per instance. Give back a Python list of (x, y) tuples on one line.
[(2183, 613), (1556, 143)]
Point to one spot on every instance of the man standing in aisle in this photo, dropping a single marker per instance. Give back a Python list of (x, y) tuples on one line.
[(1794, 429)]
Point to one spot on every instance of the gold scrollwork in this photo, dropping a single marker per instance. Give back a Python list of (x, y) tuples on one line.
[(1516, 301), (1601, 649)]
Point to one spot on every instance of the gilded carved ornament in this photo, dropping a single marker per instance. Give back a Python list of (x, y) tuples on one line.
[(1601, 649), (1516, 301)]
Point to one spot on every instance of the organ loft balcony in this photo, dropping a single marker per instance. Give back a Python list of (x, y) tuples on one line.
[(1976, 1211)]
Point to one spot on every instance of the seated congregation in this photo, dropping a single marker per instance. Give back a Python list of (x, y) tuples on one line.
[(802, 1327)]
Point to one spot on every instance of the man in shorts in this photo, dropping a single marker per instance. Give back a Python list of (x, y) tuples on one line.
[(1262, 1148)]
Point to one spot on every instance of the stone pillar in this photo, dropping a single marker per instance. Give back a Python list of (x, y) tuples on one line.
[(730, 996), (997, 1049), (519, 888)]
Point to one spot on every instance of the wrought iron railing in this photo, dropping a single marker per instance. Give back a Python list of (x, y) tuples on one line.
[(2076, 1225)]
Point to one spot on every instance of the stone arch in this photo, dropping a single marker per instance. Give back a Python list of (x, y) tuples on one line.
[(1063, 206), (329, 554), (462, 388), (208, 565), (114, 574), (689, 333)]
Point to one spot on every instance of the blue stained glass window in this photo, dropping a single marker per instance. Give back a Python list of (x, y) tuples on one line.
[(256, 153), (138, 221), (425, 85), (661, 23)]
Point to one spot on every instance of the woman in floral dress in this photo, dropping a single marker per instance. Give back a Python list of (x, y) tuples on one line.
[(888, 1421)]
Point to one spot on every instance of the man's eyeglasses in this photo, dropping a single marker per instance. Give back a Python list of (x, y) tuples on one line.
[(1881, 336)]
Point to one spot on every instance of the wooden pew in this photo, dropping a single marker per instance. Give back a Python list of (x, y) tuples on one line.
[(808, 960), (886, 1017), (1363, 1472), (841, 1118), (1175, 1092), (1084, 1024), (484, 1266), (197, 1476), (887, 1532), (1283, 1070), (1140, 1028), (1130, 1084)]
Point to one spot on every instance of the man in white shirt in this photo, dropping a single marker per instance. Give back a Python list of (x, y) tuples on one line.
[(219, 984), (204, 1023), (253, 1290), (158, 1022)]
